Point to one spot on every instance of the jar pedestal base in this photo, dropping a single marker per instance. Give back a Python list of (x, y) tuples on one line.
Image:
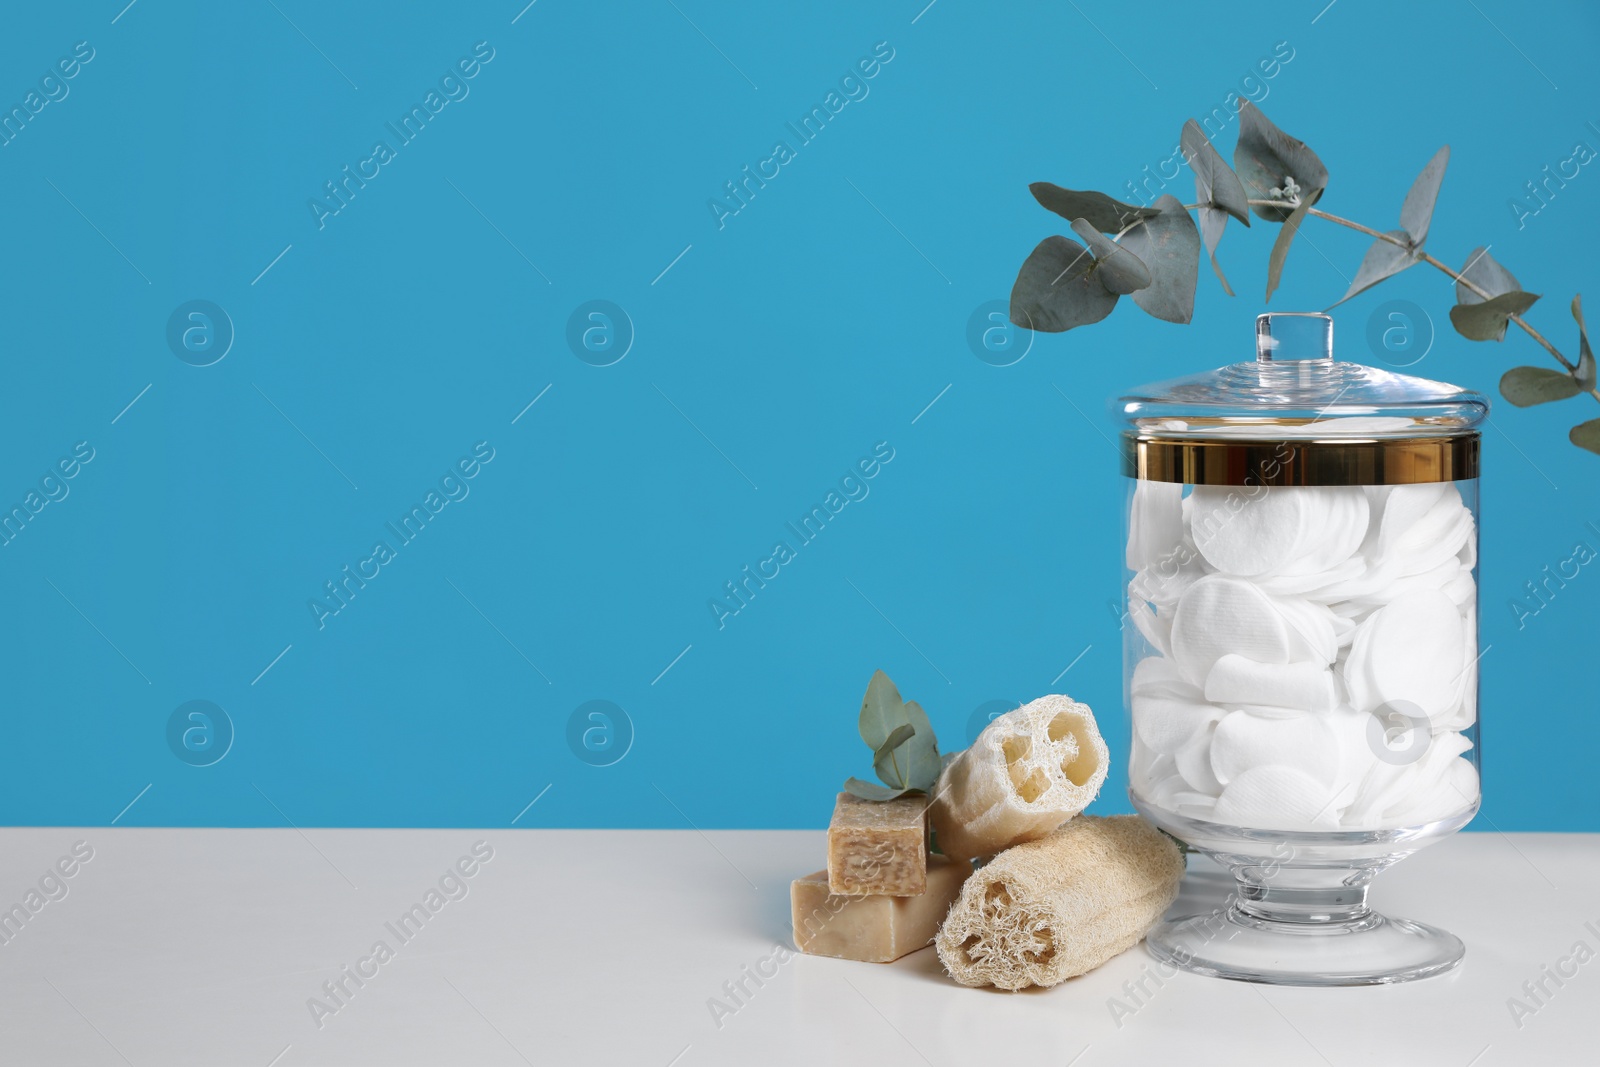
[(1296, 912), (1370, 950)]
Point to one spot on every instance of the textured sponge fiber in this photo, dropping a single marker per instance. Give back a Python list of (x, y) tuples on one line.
[(1030, 770), (1050, 909)]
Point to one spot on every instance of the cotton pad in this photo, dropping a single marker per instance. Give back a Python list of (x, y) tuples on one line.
[(1193, 760), (1266, 711), (1410, 652), (1422, 524), (1218, 616), (1314, 585), (1155, 629), (1148, 770), (1356, 757), (1438, 788), (1155, 522), (1164, 723), (1250, 530), (1314, 627), (1156, 674), (1275, 798), (1164, 581), (1399, 508), (1392, 787), (1455, 790), (1464, 710), (1337, 532), (1462, 590), (1193, 805), (1442, 574), (1257, 530), (1448, 528), (1236, 679), (1245, 742), (1381, 787)]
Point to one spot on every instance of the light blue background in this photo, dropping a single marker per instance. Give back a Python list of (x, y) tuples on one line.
[(822, 319)]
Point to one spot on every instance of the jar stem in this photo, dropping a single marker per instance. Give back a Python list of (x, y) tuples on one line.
[(1273, 893)]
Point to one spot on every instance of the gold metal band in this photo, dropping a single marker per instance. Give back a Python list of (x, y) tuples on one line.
[(1373, 461)]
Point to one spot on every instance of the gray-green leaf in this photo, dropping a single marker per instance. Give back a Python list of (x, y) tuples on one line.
[(1266, 157), (922, 750), (1120, 271), (882, 711), (1383, 260), (872, 790), (1212, 222), (1586, 370), (1280, 247), (1217, 189), (1486, 274), (891, 761), (1486, 320), (1169, 245), (1586, 435), (1215, 183), (1105, 214), (1056, 289), (1417, 211), (1527, 386)]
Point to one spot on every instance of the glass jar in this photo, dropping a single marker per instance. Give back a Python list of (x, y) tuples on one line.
[(1301, 648)]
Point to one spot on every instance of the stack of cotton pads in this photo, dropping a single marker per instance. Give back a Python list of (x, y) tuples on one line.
[(1314, 654)]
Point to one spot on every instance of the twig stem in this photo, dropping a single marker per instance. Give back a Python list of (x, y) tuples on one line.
[(1538, 337)]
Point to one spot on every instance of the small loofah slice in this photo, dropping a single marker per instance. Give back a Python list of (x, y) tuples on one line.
[(1030, 770), (1052, 909)]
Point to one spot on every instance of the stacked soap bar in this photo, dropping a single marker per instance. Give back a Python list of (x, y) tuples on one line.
[(878, 846), (1313, 656), (881, 895)]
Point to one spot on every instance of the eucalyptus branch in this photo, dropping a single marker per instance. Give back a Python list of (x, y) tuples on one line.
[(1433, 261), (1153, 253)]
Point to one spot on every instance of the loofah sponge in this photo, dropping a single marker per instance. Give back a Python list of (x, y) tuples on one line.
[(1051, 909), (1030, 770)]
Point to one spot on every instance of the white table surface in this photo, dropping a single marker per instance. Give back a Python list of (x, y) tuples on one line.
[(577, 947)]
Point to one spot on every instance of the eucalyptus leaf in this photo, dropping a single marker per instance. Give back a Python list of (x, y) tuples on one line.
[(1527, 386), (1280, 247), (1585, 374), (1120, 271), (1486, 320), (1383, 260), (905, 752), (1057, 288), (1212, 222), (922, 750), (1217, 190), (898, 736), (1104, 213), (1169, 245), (1215, 183), (1586, 435), (891, 761), (872, 790), (1417, 211), (1482, 270), (881, 711), (1266, 158)]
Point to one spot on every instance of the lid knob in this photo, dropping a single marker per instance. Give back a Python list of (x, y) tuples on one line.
[(1294, 337)]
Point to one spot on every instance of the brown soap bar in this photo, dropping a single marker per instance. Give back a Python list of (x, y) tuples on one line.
[(878, 846), (873, 929)]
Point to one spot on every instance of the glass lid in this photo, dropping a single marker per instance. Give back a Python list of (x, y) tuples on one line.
[(1295, 389)]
